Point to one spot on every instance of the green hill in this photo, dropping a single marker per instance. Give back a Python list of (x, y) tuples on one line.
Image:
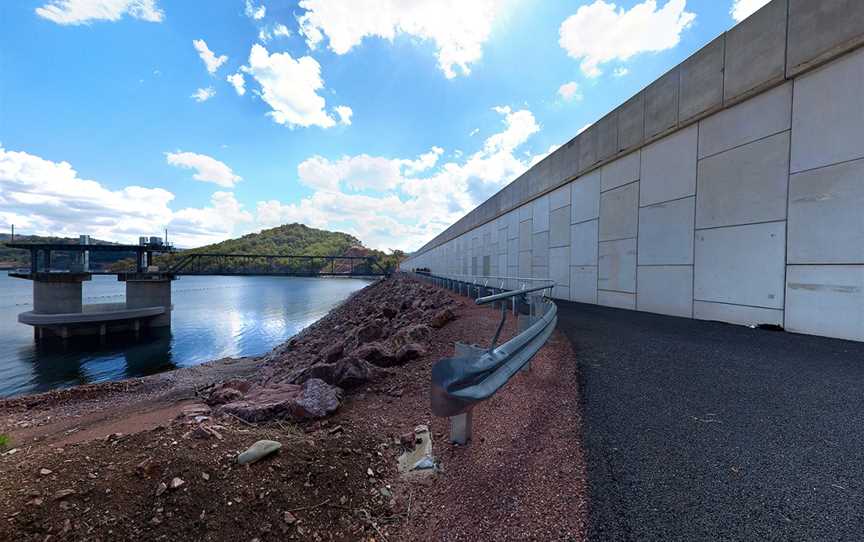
[(286, 239)]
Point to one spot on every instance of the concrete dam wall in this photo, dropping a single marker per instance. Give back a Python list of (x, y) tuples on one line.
[(731, 188)]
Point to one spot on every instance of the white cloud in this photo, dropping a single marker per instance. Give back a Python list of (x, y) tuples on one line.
[(211, 61), (741, 9), (255, 12), (290, 87), (345, 113), (207, 168), (85, 11), (570, 91), (601, 32), (238, 82), (620, 72), (203, 94), (43, 197), (474, 132), (458, 28), (267, 33)]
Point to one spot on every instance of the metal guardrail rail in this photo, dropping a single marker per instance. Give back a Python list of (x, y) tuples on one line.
[(474, 374)]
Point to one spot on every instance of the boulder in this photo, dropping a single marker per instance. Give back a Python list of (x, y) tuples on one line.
[(441, 318), (229, 391), (332, 353), (369, 332), (375, 353), (416, 333), (314, 399), (409, 351)]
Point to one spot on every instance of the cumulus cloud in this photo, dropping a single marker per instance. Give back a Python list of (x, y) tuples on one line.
[(255, 12), (211, 61), (741, 9), (207, 168), (601, 32), (290, 87), (238, 82), (203, 94), (620, 72), (267, 33), (458, 29), (570, 91), (345, 113), (85, 11)]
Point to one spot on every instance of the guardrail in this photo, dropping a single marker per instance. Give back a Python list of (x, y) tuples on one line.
[(475, 373)]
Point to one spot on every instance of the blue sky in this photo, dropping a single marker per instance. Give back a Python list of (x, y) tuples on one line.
[(387, 119)]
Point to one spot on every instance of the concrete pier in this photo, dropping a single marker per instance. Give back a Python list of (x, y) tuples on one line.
[(145, 290)]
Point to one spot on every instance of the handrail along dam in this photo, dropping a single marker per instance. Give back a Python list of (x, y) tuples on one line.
[(730, 189)]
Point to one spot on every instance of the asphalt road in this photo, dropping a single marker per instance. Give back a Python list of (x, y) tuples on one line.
[(707, 431)]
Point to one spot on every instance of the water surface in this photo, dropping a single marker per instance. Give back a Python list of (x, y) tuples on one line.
[(213, 317)]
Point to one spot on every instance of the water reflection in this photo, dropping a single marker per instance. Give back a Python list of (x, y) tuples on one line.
[(213, 317)]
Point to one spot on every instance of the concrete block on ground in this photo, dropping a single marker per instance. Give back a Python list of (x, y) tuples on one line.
[(622, 171), (585, 198), (665, 290), (669, 168), (743, 265), (583, 243), (559, 265), (559, 227), (619, 212), (560, 197), (821, 30), (828, 114), (617, 266), (583, 284), (702, 81), (826, 300), (540, 214), (760, 116), (744, 185), (540, 249), (588, 148), (661, 104), (618, 300), (756, 52), (631, 123), (666, 233), (826, 215), (737, 314), (525, 235), (607, 136)]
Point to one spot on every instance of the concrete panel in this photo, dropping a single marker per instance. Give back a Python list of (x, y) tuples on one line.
[(736, 314), (741, 265), (631, 123), (585, 198), (666, 233), (756, 52), (540, 272), (513, 225), (501, 240), (702, 81), (661, 104), (583, 284), (761, 116), (826, 300), (501, 268), (526, 212), (826, 215), (561, 292), (828, 114), (744, 185), (669, 167), (583, 243), (666, 290), (607, 136), (618, 300), (617, 266), (564, 162), (513, 253), (540, 214), (559, 227), (524, 264), (822, 29), (619, 212), (559, 265), (622, 171), (588, 148), (540, 249), (560, 197), (525, 235)]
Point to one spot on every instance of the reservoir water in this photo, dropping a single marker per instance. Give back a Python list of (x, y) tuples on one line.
[(213, 317)]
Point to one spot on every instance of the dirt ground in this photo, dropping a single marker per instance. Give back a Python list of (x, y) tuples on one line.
[(123, 461)]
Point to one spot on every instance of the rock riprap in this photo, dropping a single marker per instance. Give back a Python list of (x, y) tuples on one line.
[(257, 451)]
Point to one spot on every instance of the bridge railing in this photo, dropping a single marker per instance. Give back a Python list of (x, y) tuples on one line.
[(476, 373)]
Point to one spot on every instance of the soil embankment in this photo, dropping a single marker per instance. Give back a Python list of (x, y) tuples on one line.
[(156, 458)]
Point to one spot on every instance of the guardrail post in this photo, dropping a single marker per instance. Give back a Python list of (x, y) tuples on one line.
[(460, 427)]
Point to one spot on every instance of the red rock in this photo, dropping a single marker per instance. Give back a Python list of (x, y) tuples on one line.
[(333, 353), (375, 353), (314, 399), (441, 318), (408, 352)]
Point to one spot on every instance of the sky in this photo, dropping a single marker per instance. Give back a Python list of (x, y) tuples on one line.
[(385, 119)]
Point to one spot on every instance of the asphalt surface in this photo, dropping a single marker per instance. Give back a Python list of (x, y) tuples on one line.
[(707, 431)]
